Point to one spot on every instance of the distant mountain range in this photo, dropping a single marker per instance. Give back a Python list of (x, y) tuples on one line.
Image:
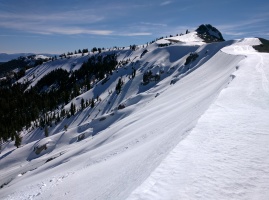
[(4, 57)]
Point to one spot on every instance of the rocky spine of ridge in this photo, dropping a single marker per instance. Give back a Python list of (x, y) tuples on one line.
[(209, 33)]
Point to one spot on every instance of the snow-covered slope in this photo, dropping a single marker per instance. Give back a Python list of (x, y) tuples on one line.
[(35, 74), (187, 39), (198, 133), (226, 155)]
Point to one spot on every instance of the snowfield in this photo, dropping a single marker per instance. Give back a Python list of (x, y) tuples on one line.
[(201, 132), (226, 155)]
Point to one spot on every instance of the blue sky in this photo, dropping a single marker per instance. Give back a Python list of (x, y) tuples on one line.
[(51, 26)]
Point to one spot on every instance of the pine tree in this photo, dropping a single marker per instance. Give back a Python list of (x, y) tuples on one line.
[(63, 113), (133, 72), (118, 86), (82, 104), (17, 140), (88, 85), (58, 119), (72, 109), (46, 131), (65, 127), (92, 103), (94, 49), (85, 51)]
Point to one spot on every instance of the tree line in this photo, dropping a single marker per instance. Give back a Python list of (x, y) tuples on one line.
[(41, 105)]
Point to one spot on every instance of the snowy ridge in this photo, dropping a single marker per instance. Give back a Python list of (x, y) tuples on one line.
[(187, 39), (35, 74), (222, 157), (173, 139)]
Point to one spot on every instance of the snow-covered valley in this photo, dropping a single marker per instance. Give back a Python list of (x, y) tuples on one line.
[(200, 132)]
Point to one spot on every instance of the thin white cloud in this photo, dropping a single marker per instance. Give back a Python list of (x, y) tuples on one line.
[(78, 21), (240, 24), (68, 22), (153, 24), (241, 28), (135, 34), (234, 33), (44, 29), (73, 31), (82, 16), (25, 36), (165, 3)]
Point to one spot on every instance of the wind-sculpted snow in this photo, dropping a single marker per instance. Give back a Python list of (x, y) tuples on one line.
[(225, 155), (197, 133)]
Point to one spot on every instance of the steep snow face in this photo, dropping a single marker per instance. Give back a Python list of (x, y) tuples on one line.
[(107, 153), (226, 155)]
